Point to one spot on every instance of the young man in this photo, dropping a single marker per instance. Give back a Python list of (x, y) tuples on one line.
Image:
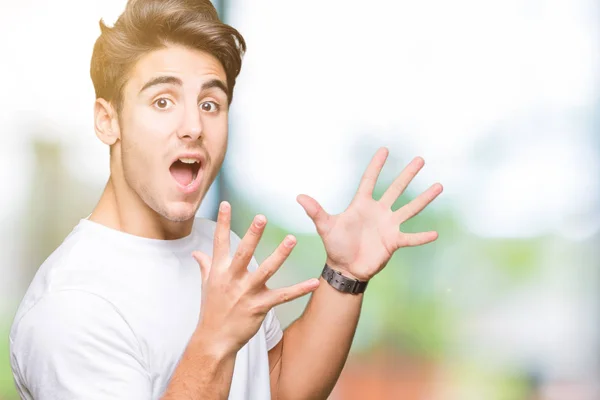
[(122, 310)]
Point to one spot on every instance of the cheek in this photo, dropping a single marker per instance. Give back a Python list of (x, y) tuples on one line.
[(144, 138), (216, 139), (149, 129), (153, 125)]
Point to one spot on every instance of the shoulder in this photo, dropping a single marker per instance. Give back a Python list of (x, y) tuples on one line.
[(65, 260), (59, 318)]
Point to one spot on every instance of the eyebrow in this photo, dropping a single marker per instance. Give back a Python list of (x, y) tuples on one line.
[(161, 80), (215, 83), (173, 80)]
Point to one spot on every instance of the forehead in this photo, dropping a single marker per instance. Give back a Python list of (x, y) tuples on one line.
[(190, 65)]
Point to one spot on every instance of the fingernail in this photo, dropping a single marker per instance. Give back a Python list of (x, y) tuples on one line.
[(259, 221), (313, 283), (224, 206), (289, 241)]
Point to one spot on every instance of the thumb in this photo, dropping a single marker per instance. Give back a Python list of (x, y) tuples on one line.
[(314, 210), (205, 262)]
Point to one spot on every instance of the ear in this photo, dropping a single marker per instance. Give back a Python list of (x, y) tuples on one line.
[(106, 122)]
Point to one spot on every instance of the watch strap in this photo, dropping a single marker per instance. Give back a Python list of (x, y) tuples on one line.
[(343, 283)]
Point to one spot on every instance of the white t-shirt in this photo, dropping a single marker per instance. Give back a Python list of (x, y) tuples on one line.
[(109, 314)]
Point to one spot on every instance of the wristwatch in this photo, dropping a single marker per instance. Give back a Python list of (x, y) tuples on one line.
[(343, 283)]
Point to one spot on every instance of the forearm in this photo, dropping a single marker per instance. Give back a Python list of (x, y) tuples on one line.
[(317, 344), (204, 372)]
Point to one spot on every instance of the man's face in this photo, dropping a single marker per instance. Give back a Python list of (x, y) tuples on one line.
[(173, 128)]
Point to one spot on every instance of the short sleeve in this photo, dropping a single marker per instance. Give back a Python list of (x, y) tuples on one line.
[(273, 332), (76, 345)]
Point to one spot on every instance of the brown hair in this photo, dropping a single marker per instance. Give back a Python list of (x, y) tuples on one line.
[(148, 25)]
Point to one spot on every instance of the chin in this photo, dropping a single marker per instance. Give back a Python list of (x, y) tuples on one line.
[(179, 212)]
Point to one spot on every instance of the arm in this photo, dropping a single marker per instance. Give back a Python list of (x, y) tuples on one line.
[(359, 243), (203, 372), (234, 304), (323, 332)]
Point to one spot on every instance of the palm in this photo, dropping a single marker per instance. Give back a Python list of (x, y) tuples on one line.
[(363, 238), (359, 234)]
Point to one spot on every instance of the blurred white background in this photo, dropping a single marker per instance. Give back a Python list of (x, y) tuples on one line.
[(501, 98)]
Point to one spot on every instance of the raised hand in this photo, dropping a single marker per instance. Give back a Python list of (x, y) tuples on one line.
[(361, 240), (235, 301)]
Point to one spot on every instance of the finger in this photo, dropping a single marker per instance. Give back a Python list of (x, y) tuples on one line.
[(284, 295), (369, 178), (418, 203), (205, 262), (401, 182), (415, 239), (221, 241), (316, 213), (245, 250), (272, 264)]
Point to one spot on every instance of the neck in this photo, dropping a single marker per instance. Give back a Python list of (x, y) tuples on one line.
[(122, 209)]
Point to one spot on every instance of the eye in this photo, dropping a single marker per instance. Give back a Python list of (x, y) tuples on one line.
[(163, 103), (209, 106)]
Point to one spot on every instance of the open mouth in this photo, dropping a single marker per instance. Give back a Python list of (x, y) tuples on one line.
[(185, 171)]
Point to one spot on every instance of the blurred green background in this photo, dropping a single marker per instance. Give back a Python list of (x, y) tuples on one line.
[(501, 98)]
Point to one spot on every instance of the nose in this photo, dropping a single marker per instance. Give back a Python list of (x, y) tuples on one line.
[(191, 124)]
